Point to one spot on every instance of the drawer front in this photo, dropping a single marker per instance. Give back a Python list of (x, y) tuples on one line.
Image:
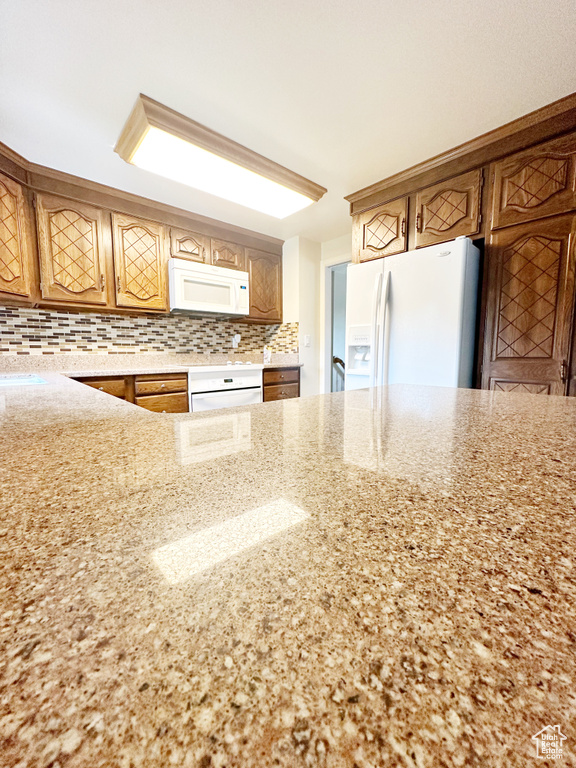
[(161, 386), (284, 376), (112, 386), (173, 403), (280, 392)]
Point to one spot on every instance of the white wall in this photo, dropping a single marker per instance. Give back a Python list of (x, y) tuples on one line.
[(290, 281), (301, 287), (305, 292)]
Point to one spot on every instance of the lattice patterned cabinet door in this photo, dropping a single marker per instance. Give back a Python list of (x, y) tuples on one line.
[(536, 183), (228, 255), (140, 262), (530, 303), (15, 252), (265, 273), (380, 231), (189, 245), (448, 210), (525, 387), (71, 243)]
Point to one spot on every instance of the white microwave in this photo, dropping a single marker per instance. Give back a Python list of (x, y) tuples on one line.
[(206, 289)]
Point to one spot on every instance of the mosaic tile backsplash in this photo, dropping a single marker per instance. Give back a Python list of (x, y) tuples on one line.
[(45, 332)]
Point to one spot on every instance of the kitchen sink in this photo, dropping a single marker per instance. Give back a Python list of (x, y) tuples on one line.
[(18, 379)]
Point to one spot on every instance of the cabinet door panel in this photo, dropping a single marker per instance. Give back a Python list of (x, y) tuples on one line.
[(265, 275), (536, 183), (530, 304), (15, 251), (449, 209), (280, 392), (189, 245), (228, 255), (380, 231), (172, 403), (140, 263), (71, 245)]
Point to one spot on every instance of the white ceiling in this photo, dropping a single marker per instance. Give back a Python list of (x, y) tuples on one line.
[(344, 93)]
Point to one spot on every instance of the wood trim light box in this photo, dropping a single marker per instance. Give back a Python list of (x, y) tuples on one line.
[(162, 141)]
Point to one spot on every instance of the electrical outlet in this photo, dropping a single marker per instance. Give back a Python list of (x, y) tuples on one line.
[(307, 340)]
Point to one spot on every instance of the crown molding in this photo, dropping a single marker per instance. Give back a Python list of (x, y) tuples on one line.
[(545, 123)]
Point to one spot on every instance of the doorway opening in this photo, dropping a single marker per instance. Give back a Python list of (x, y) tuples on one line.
[(337, 346)]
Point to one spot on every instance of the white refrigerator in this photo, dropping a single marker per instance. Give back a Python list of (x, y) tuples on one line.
[(411, 317)]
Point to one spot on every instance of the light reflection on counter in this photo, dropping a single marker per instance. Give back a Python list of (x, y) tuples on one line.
[(403, 431), (209, 438), (204, 549)]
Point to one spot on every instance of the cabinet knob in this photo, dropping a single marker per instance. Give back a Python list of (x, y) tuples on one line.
[(162, 385), (163, 411), (101, 389)]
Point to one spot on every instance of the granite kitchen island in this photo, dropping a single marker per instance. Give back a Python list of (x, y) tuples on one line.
[(370, 578)]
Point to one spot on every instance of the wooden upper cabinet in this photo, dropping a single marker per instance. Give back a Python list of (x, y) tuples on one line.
[(189, 245), (530, 305), (71, 245), (380, 231), (226, 254), (265, 274), (140, 262), (449, 209), (15, 250), (536, 183)]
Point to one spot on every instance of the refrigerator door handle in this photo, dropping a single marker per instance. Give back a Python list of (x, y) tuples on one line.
[(383, 357), (375, 351)]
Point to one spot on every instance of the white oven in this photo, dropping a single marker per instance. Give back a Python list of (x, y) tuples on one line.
[(206, 289), (224, 386)]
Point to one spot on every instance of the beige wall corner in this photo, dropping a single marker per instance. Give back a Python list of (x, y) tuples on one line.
[(301, 269), (337, 251)]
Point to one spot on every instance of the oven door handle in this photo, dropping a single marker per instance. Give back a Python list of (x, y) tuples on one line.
[(227, 398)]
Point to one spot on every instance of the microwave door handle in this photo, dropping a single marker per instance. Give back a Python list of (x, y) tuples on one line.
[(236, 295)]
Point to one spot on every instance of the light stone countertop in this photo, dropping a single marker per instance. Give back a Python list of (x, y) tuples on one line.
[(123, 364), (152, 369), (370, 578)]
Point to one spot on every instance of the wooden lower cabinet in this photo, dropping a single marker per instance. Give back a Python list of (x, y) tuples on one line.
[(281, 383), (169, 403), (112, 385), (162, 393), (530, 307)]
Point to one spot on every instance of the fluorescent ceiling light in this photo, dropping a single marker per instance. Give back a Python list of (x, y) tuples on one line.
[(167, 143)]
